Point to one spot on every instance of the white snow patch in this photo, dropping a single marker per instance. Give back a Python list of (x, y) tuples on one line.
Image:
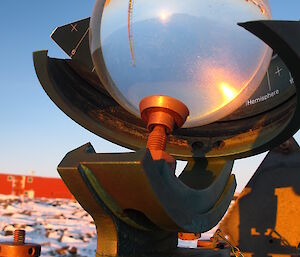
[(56, 224)]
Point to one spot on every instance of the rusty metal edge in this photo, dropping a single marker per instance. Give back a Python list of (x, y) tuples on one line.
[(40, 60)]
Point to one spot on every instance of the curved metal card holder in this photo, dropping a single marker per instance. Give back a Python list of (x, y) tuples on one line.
[(138, 204), (79, 93)]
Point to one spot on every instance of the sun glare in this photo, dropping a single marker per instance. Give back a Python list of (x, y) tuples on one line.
[(228, 91), (164, 16)]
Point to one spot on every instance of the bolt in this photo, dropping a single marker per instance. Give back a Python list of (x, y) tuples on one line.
[(19, 236), (161, 114), (157, 138)]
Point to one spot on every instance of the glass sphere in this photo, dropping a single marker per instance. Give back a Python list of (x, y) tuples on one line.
[(191, 50)]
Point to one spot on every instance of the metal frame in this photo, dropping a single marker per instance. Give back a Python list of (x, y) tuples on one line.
[(77, 93), (105, 184)]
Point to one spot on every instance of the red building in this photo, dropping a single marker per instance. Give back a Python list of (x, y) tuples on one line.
[(33, 187)]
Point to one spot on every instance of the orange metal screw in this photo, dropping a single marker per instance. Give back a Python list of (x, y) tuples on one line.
[(162, 113), (19, 236), (18, 248), (157, 138)]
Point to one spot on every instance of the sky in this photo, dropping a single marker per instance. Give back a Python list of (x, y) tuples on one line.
[(35, 134)]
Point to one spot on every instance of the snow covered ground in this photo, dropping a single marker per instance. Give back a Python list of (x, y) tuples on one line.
[(61, 226)]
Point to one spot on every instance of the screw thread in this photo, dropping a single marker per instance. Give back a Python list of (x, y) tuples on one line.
[(19, 236), (157, 138)]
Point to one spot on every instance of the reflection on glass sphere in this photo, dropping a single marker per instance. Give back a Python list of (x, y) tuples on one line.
[(191, 50)]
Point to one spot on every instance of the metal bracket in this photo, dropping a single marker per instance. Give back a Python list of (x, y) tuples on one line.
[(140, 203)]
